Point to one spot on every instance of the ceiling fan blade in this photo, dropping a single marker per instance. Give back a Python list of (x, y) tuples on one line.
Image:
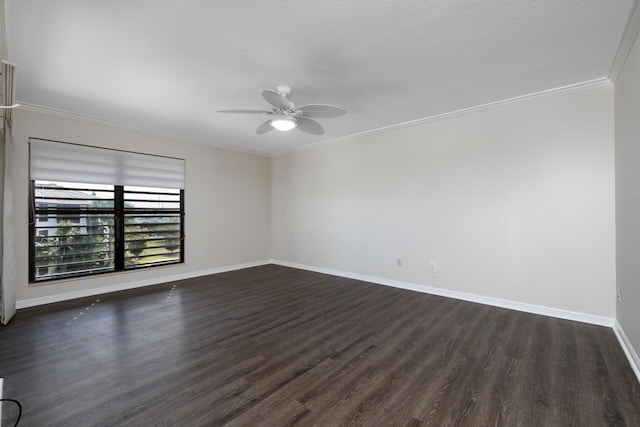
[(245, 111), (277, 100), (264, 128), (321, 111), (309, 126)]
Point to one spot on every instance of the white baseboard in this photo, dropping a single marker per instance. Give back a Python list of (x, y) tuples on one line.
[(629, 351), (131, 285), (497, 302)]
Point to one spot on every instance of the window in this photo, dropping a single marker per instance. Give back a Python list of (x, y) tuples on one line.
[(86, 233), (119, 223), (43, 217), (78, 236), (152, 226), (73, 218)]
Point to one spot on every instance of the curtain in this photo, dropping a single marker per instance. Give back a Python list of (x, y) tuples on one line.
[(8, 238), (8, 89)]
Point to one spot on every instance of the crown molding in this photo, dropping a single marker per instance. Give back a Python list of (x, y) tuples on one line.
[(564, 90), (626, 43), (96, 120), (560, 91)]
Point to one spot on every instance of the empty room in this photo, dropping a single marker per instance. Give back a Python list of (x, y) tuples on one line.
[(278, 213)]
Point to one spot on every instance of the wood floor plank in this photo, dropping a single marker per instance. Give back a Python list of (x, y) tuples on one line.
[(277, 346), (284, 398), (400, 368)]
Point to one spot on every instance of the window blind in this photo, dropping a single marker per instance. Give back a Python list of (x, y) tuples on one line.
[(60, 161)]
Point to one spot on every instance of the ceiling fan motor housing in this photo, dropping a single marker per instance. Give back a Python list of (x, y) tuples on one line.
[(283, 90)]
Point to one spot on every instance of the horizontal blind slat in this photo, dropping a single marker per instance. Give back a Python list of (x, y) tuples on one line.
[(58, 161)]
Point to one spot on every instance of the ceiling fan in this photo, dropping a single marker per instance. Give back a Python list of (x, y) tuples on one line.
[(287, 116)]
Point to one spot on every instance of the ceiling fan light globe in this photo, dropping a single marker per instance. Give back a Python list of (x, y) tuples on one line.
[(283, 124)]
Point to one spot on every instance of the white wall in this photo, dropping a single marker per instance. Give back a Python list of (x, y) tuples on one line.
[(513, 202), (627, 126), (227, 200)]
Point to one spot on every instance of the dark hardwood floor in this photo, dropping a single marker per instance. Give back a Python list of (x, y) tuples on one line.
[(275, 346)]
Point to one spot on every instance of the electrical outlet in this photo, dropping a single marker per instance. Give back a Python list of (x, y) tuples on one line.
[(399, 262), (433, 267), (619, 297), (199, 255)]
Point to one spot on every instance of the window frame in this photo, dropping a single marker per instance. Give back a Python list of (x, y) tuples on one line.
[(119, 212)]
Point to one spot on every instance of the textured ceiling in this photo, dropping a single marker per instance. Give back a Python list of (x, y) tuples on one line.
[(169, 65)]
